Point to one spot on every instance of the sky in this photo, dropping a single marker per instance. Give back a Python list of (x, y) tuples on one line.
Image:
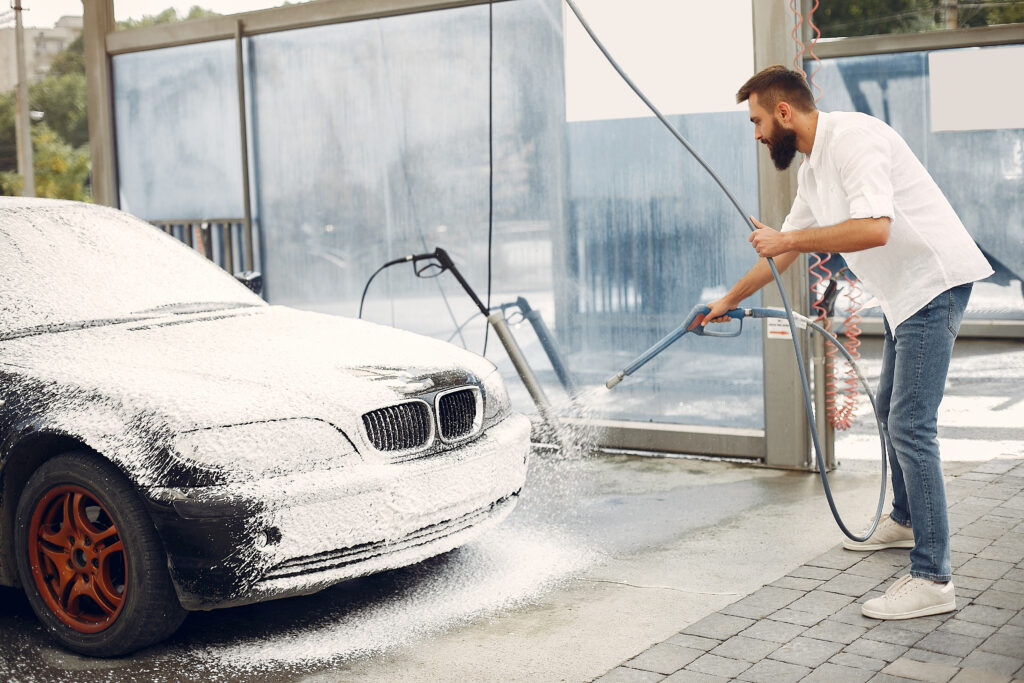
[(687, 57)]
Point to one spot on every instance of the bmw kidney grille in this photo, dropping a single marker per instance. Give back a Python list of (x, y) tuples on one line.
[(399, 428), (457, 414), (410, 426)]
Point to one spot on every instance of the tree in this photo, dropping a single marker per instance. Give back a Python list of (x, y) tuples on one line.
[(8, 149), (63, 101), (60, 141), (992, 13), (169, 15), (844, 18), (63, 132), (71, 59), (61, 170)]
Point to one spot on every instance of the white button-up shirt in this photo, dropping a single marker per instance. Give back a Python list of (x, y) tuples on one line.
[(861, 168)]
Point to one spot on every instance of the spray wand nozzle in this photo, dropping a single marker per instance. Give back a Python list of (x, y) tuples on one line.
[(692, 324)]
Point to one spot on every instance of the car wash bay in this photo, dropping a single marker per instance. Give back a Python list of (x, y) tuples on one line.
[(606, 554)]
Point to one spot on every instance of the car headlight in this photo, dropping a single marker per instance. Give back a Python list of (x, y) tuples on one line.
[(245, 452), (496, 401)]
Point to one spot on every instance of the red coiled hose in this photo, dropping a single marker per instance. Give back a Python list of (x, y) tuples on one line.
[(840, 414)]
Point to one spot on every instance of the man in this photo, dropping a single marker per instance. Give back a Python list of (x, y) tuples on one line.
[(862, 193)]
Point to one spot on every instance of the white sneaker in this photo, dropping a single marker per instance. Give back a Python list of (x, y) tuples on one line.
[(888, 534), (910, 597)]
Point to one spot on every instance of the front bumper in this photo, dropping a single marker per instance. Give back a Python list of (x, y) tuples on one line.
[(242, 543)]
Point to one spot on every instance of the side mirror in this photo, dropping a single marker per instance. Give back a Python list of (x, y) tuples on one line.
[(253, 279)]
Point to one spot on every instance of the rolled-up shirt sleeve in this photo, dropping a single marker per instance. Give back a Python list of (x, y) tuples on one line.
[(864, 160)]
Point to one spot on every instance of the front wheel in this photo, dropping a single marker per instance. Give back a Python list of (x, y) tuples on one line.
[(90, 561)]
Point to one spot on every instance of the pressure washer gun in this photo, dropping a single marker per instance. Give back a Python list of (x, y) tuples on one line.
[(692, 324)]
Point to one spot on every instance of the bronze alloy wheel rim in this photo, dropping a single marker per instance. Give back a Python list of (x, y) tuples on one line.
[(77, 559)]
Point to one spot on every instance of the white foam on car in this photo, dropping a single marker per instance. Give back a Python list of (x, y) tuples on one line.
[(131, 389)]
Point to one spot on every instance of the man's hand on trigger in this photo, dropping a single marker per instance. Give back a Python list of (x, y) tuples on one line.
[(717, 313), (768, 242)]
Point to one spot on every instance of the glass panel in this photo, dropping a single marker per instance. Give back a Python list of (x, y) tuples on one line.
[(875, 17), (176, 112), (609, 246), (981, 172), (649, 234), (529, 255), (370, 143), (395, 147), (375, 139)]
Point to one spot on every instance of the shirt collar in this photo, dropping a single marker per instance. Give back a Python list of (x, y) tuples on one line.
[(821, 135)]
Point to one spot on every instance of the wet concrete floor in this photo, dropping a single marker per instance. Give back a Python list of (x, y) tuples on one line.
[(604, 556)]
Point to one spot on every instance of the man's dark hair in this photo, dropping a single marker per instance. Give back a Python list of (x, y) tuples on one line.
[(778, 84)]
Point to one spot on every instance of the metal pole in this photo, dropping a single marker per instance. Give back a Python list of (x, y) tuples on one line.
[(21, 119), (826, 432), (787, 432), (536, 391), (98, 25), (952, 15), (240, 78), (547, 341)]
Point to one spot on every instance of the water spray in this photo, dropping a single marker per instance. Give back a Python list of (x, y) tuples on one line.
[(787, 313)]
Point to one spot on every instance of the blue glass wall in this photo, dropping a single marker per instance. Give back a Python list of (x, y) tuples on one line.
[(371, 142), (396, 144), (651, 235), (375, 139), (176, 116)]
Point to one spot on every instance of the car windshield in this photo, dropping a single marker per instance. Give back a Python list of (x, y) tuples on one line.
[(64, 264)]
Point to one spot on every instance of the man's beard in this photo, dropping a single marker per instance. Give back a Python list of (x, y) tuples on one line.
[(783, 149)]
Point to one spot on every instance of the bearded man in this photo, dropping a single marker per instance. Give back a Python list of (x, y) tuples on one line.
[(862, 193)]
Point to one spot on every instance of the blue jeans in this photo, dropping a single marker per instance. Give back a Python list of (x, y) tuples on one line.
[(914, 367)]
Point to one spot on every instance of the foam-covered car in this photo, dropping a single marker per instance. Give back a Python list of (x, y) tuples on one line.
[(170, 442)]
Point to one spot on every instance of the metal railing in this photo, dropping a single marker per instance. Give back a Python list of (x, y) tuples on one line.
[(222, 240)]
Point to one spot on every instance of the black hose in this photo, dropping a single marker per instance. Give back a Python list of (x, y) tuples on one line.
[(393, 262), (490, 162), (775, 273)]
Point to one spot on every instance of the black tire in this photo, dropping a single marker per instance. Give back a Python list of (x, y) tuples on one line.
[(112, 593)]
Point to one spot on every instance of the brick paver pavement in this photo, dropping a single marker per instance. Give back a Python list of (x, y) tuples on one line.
[(807, 625)]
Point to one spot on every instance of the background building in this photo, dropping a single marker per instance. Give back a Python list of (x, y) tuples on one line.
[(41, 46)]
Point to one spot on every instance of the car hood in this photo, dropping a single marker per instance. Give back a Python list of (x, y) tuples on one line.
[(241, 366)]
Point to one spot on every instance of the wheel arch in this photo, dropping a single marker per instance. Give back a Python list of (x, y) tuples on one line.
[(109, 625), (23, 455)]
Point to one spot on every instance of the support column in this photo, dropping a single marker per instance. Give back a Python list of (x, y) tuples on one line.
[(22, 121), (98, 22), (787, 438), (248, 259)]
